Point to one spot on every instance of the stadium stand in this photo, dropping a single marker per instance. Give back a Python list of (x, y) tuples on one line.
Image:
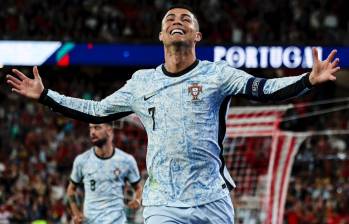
[(238, 21)]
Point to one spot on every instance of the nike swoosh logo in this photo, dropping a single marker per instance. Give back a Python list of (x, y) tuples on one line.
[(149, 96)]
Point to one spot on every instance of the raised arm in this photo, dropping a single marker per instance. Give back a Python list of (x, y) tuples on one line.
[(237, 82), (113, 107)]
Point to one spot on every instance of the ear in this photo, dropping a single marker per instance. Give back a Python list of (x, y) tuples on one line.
[(160, 36), (198, 36)]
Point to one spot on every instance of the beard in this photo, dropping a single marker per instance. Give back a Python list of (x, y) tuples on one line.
[(100, 142)]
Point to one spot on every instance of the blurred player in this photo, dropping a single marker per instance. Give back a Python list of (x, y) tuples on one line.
[(103, 171), (182, 104)]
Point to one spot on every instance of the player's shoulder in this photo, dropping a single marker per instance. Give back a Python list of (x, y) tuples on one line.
[(143, 73), (219, 64), (214, 67), (83, 157), (222, 67), (124, 155)]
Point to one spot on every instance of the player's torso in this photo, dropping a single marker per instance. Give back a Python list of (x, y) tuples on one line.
[(181, 117), (175, 105), (104, 177), (103, 181)]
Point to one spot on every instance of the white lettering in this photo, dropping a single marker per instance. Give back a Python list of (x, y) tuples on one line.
[(236, 57), (292, 57), (251, 57), (275, 57), (219, 53), (263, 56), (266, 57)]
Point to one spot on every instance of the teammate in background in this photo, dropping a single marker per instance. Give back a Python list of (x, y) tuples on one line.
[(182, 105), (103, 171)]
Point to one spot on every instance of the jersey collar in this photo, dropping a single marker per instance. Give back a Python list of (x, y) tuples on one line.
[(103, 158), (177, 74)]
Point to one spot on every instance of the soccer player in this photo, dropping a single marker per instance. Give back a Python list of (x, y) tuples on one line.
[(103, 171), (182, 104)]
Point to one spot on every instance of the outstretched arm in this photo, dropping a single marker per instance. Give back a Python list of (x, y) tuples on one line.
[(116, 106), (237, 82)]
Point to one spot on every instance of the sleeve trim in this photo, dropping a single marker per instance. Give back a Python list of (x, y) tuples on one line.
[(43, 96), (74, 182), (136, 182), (48, 101), (306, 81), (254, 88)]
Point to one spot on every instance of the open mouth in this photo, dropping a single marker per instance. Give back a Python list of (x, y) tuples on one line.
[(177, 31)]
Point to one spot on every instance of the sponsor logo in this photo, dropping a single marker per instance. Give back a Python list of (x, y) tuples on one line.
[(147, 97)]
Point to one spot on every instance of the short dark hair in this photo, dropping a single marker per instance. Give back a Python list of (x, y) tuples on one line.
[(183, 6), (180, 6)]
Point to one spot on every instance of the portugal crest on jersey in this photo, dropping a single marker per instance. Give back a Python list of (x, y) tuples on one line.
[(195, 89), (117, 173)]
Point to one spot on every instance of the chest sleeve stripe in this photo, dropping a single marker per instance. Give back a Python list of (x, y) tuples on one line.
[(53, 105)]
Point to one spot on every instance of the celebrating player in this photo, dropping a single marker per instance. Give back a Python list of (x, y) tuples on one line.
[(182, 104)]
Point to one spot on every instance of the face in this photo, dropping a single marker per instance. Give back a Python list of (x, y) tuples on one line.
[(100, 134), (179, 26)]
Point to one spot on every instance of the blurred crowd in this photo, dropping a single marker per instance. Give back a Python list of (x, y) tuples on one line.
[(236, 21), (319, 187)]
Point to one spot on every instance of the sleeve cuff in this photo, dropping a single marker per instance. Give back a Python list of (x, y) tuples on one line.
[(43, 96), (74, 182), (306, 81), (135, 182)]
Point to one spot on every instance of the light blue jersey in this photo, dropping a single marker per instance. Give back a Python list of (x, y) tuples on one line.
[(104, 180), (184, 118)]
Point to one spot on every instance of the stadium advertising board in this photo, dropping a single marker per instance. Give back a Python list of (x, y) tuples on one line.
[(28, 53)]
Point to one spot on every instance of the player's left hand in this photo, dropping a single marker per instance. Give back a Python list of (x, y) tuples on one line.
[(134, 204), (323, 71)]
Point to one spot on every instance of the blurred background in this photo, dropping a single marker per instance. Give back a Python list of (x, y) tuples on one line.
[(88, 49)]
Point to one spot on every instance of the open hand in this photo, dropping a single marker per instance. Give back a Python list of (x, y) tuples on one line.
[(21, 84), (323, 71)]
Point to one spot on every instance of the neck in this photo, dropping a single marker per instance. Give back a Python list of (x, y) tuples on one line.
[(179, 57), (105, 151)]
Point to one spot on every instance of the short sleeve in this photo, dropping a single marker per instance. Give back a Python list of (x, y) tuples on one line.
[(76, 174), (133, 174)]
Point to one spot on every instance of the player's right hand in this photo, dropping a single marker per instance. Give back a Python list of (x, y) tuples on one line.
[(78, 218), (21, 84)]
